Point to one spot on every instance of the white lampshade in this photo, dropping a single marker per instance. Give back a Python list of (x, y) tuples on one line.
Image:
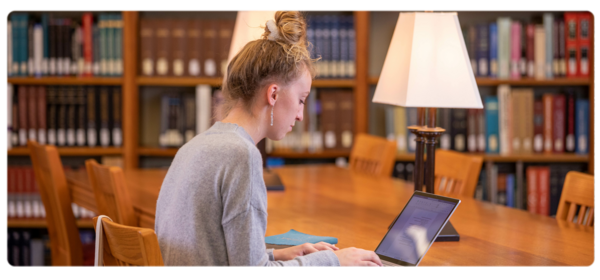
[(248, 28), (427, 65)]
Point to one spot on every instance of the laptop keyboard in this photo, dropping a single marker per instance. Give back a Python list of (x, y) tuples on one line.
[(386, 263)]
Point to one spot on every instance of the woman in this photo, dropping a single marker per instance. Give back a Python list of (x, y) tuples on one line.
[(212, 207)]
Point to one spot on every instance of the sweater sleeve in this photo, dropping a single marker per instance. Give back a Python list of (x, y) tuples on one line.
[(246, 244)]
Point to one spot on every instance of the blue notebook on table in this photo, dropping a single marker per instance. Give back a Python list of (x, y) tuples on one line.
[(293, 238)]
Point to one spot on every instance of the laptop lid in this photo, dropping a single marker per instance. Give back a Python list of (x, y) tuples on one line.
[(416, 228)]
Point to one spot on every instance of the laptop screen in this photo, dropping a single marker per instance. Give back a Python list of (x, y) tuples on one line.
[(415, 229)]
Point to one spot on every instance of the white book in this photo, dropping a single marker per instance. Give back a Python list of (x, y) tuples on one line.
[(549, 55), (38, 49), (9, 49), (503, 103), (9, 132), (503, 47), (203, 107)]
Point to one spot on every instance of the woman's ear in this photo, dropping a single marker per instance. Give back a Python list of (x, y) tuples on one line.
[(272, 94)]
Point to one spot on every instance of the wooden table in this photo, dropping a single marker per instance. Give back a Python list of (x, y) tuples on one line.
[(329, 201)]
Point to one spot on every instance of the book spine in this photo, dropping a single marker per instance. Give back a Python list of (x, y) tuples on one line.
[(318, 43), (459, 130), (9, 59), (558, 121), (75, 39), (582, 108), (96, 50), (194, 43), (23, 123), (30, 49), (504, 118), (71, 118), (9, 118), (544, 191), (118, 44), (147, 47), (117, 131), (351, 46), (67, 50), (570, 119), (548, 101), (482, 50), (104, 117), (19, 194), (164, 121), (472, 39), (523, 58), (344, 119), (92, 117), (52, 47), (14, 45), (492, 124), (225, 35), (493, 46), (87, 22), (61, 127), (571, 24), (178, 47), (45, 44), (527, 123), (583, 43), (532, 189), (555, 174), (27, 193), (562, 65), (103, 41), (211, 42), (540, 52), (504, 46), (51, 116), (344, 48), (335, 71), (480, 123), (203, 105), (41, 114), (472, 130), (530, 50), (81, 116), (515, 50), (190, 117), (548, 42), (538, 126), (38, 49), (328, 118), (11, 190), (445, 118), (555, 49)]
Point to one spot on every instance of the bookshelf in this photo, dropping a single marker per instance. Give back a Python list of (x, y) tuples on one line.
[(72, 151), (41, 223), (95, 81)]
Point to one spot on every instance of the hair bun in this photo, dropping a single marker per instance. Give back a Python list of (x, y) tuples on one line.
[(291, 34)]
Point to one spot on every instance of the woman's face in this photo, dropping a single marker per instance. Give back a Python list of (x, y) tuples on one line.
[(289, 106)]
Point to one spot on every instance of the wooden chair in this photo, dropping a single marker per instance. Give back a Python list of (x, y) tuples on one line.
[(456, 173), (110, 190), (65, 244), (373, 155), (578, 192), (129, 246)]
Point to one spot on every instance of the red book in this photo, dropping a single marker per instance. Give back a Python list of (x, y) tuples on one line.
[(583, 43), (558, 121), (23, 125), (19, 191), (27, 192), (547, 99), (515, 49), (544, 190), (571, 54), (87, 22), (532, 189), (530, 47), (10, 189), (570, 118)]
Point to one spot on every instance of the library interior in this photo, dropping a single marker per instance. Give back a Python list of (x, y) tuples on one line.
[(99, 104)]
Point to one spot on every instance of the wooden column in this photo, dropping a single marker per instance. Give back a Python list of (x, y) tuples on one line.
[(361, 88), (130, 91)]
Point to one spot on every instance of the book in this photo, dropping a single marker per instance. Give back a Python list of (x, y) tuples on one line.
[(504, 119), (92, 117), (9, 118), (504, 47), (571, 44), (9, 59), (539, 38), (81, 106), (472, 47), (194, 47), (41, 114), (329, 118), (582, 109), (390, 123), (510, 190), (532, 189), (482, 50), (203, 108), (527, 126), (163, 50), (23, 122), (444, 116), (530, 30), (110, 44), (570, 123), (38, 50), (87, 22), (516, 127), (555, 191), (548, 21), (118, 44), (104, 114), (351, 70), (344, 63), (583, 43), (32, 119), (543, 190), (493, 47), (562, 65), (344, 118), (555, 49), (294, 238), (210, 29), (147, 46), (492, 124), (116, 120), (189, 103), (501, 183), (326, 23), (538, 126), (472, 130), (334, 31), (178, 46), (548, 102), (515, 50), (71, 116), (558, 121), (225, 34)]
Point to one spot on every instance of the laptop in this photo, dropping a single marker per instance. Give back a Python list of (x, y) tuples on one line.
[(416, 228)]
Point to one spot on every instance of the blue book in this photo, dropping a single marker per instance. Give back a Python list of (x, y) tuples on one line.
[(334, 32), (493, 47), (344, 47), (582, 123), (326, 51), (319, 41), (411, 119), (294, 238), (492, 139), (310, 36), (351, 46), (14, 19), (24, 45), (510, 190), (118, 45), (482, 53)]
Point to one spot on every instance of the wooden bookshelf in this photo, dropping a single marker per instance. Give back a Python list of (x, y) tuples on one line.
[(217, 82), (72, 151), (521, 82), (41, 223), (309, 155), (157, 152), (60, 81)]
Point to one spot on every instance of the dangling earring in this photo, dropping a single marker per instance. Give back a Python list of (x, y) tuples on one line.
[(272, 114)]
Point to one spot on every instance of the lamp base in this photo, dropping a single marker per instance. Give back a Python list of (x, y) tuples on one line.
[(448, 233)]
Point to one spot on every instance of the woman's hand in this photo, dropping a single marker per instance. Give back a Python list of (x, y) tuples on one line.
[(301, 250), (357, 257)]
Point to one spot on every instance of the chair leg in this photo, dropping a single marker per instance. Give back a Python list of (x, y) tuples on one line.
[(572, 211)]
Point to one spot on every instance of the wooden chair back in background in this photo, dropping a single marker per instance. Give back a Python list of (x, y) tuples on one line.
[(129, 246), (110, 191), (456, 173), (373, 155), (578, 192), (65, 243)]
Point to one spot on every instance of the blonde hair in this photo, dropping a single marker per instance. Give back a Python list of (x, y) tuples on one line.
[(265, 61)]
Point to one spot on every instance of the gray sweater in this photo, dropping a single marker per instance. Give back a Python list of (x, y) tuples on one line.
[(212, 206)]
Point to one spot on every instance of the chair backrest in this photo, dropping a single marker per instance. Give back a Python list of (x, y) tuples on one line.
[(578, 192), (456, 173), (129, 246), (65, 244), (110, 190), (373, 155)]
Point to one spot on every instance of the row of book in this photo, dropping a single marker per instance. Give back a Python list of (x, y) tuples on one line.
[(65, 115), (327, 124), (183, 116), (48, 46), (555, 46), (538, 190), (333, 40), (514, 122), (180, 47), (31, 247), (24, 201)]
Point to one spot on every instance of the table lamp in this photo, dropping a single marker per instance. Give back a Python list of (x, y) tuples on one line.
[(427, 67), (249, 26)]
